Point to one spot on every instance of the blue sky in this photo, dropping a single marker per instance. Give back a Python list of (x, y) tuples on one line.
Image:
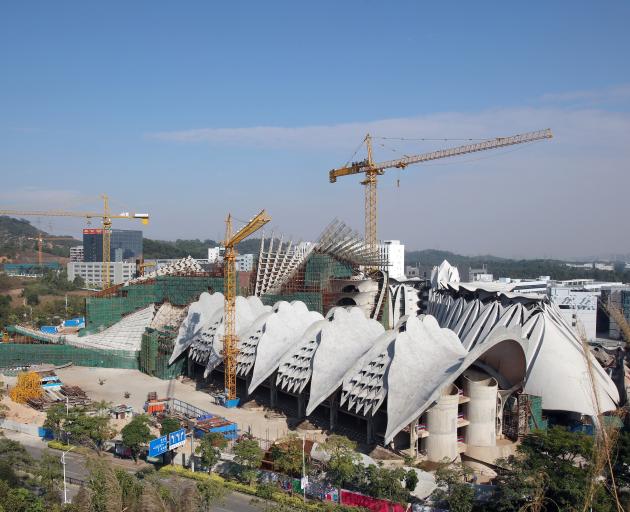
[(189, 110)]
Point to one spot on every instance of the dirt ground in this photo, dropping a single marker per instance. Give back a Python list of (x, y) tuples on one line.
[(116, 382)]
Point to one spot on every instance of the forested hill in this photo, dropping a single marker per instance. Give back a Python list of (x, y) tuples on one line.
[(195, 248), (504, 267), (17, 240)]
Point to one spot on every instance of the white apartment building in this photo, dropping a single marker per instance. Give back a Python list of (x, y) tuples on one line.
[(244, 262), (393, 252), (92, 272), (76, 253), (578, 307)]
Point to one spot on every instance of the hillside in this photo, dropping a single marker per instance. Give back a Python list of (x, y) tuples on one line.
[(17, 242), (195, 248)]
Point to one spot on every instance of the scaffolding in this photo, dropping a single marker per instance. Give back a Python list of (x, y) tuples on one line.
[(523, 414), (157, 347), (105, 309)]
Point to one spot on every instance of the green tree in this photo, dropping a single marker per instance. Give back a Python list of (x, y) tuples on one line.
[(130, 488), (91, 427), (411, 480), (248, 454), (49, 473), (32, 299), (343, 465), (105, 490), (453, 489), (55, 418), (13, 453), (20, 500), (211, 492), (210, 449), (287, 455), (552, 468), (383, 483), (136, 434), (169, 424)]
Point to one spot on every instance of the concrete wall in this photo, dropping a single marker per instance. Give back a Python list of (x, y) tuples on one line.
[(481, 410), (442, 426)]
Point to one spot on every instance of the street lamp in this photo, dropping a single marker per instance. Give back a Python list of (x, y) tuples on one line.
[(65, 487)]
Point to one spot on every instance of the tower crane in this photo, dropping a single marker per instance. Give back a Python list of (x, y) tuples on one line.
[(372, 170), (40, 244), (230, 340), (106, 217)]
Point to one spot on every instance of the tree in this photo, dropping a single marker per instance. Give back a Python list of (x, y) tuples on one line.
[(210, 492), (130, 487), (55, 417), (552, 469), (452, 488), (50, 475), (248, 454), (136, 434), (92, 429), (13, 453), (105, 490), (287, 455), (411, 480), (383, 483), (168, 425), (210, 449), (343, 463), (32, 299)]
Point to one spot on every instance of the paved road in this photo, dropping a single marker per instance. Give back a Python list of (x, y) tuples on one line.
[(75, 468)]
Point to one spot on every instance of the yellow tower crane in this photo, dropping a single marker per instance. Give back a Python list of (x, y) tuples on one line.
[(230, 340), (372, 170), (106, 218), (40, 245)]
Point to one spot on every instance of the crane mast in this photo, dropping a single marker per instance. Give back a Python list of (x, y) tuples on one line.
[(230, 339), (373, 170), (106, 218)]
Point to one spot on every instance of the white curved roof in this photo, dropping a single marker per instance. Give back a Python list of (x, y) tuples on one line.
[(443, 275), (123, 335)]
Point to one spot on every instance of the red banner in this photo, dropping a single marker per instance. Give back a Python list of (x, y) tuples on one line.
[(375, 505), (93, 231)]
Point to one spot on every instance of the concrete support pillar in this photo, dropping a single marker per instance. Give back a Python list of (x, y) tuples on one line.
[(301, 406), (334, 411), (413, 437), (273, 392), (190, 368), (482, 409), (370, 430), (248, 380), (442, 426)]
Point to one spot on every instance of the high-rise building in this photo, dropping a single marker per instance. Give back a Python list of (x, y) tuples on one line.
[(393, 252), (76, 253), (126, 245)]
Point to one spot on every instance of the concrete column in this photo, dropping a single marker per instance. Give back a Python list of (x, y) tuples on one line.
[(334, 411), (482, 409), (442, 426), (413, 437), (370, 430), (273, 392), (301, 406)]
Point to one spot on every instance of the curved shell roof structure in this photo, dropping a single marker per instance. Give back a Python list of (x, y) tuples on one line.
[(518, 341), (557, 365)]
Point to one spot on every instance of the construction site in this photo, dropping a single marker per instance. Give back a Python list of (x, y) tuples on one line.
[(320, 337)]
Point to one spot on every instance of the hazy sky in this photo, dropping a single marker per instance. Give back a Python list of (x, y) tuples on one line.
[(188, 110)]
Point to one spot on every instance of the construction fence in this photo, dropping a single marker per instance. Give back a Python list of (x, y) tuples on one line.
[(18, 355)]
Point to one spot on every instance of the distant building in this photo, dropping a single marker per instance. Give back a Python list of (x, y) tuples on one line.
[(76, 253), (245, 262), (92, 272), (215, 254), (393, 252), (412, 271), (126, 245), (578, 307), (480, 275), (28, 269)]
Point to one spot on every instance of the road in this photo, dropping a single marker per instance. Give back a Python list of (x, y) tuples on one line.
[(76, 469)]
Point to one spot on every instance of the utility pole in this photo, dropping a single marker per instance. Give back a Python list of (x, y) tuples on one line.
[(65, 486)]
